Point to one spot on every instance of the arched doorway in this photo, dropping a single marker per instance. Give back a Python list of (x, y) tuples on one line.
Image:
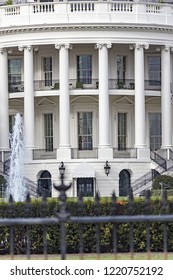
[(45, 184), (124, 183)]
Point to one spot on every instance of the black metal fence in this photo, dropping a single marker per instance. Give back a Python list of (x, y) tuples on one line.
[(62, 217)]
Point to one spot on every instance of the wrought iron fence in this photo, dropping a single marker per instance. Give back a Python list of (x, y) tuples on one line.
[(63, 216)]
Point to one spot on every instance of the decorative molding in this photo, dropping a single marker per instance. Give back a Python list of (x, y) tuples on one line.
[(166, 48), (65, 45), (3, 50), (28, 47), (100, 45)]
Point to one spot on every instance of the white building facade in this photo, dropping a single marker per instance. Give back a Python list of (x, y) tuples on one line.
[(93, 82)]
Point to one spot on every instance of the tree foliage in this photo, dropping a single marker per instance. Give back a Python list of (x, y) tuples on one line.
[(166, 180)]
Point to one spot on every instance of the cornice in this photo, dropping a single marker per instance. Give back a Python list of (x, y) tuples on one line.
[(77, 27)]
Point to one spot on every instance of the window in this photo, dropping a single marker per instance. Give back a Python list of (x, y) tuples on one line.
[(154, 70), (47, 64), (48, 131), (85, 137), (122, 131), (85, 187), (14, 74), (11, 123), (84, 69), (121, 68), (155, 131)]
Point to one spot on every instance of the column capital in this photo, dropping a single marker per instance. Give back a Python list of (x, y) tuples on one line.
[(139, 46), (100, 45), (3, 50), (166, 48), (65, 45), (28, 47)]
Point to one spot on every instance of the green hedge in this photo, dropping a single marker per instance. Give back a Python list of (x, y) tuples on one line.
[(51, 233)]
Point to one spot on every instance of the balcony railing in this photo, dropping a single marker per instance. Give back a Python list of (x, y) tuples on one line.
[(40, 85), (126, 153), (16, 87), (127, 84), (70, 12), (77, 154), (42, 154)]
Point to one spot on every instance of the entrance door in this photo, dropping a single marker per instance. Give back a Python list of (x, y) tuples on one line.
[(45, 184), (124, 183), (85, 186)]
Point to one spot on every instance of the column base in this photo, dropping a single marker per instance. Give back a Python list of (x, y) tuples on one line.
[(105, 153), (143, 153), (63, 154)]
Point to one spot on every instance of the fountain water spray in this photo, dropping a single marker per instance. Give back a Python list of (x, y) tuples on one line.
[(16, 184)]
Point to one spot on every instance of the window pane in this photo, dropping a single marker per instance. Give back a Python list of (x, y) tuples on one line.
[(85, 130), (14, 72), (154, 68), (155, 131), (47, 64), (122, 131), (84, 69), (48, 131), (121, 68)]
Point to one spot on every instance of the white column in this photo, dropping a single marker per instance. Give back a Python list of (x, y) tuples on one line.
[(64, 151), (4, 115), (166, 98), (140, 129), (104, 118), (29, 120)]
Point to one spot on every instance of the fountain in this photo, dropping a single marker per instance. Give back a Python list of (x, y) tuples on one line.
[(16, 183)]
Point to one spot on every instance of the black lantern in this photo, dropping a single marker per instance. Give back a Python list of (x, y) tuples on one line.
[(107, 168), (62, 169)]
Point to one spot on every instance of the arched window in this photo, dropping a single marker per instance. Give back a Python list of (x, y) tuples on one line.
[(45, 184), (124, 183)]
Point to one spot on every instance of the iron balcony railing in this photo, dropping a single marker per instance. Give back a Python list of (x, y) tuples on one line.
[(42, 154), (74, 84), (125, 153), (78, 154)]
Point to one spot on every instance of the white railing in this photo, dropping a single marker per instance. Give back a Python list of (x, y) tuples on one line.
[(82, 7), (12, 10), (43, 8), (122, 7), (86, 11), (153, 8)]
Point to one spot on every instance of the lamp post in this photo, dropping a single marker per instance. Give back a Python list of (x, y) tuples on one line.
[(63, 215), (107, 168)]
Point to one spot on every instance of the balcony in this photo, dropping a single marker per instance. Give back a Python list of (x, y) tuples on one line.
[(114, 84), (82, 12)]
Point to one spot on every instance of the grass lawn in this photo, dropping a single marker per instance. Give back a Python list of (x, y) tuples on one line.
[(119, 256)]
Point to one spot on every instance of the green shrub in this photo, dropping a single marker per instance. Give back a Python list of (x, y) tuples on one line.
[(89, 234)]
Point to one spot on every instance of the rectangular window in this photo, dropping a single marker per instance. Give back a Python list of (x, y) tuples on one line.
[(155, 126), (85, 187), (154, 70), (121, 69), (48, 131), (122, 131), (85, 137), (84, 69), (14, 74), (47, 66)]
